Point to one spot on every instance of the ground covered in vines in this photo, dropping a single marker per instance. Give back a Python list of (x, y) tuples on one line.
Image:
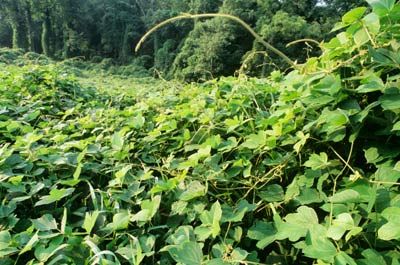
[(298, 168)]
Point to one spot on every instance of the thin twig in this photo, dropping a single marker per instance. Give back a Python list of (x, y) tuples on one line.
[(304, 40)]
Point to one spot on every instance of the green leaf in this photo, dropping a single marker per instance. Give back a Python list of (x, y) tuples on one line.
[(343, 259), (138, 121), (382, 7), (120, 221), (117, 141), (77, 172), (237, 213), (6, 243), (318, 246), (5, 239), (387, 173), (195, 189), (263, 232), (396, 126), (373, 257), (371, 83), (371, 21), (31, 243), (90, 221), (188, 253), (345, 196), (43, 253), (302, 141), (390, 101), (296, 225), (45, 223), (390, 230), (120, 174), (54, 196), (316, 162), (340, 225), (239, 254), (272, 193), (361, 37), (210, 222), (322, 249), (255, 141), (149, 209), (354, 15)]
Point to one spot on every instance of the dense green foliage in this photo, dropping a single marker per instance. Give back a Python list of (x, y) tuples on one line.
[(297, 168), (96, 29)]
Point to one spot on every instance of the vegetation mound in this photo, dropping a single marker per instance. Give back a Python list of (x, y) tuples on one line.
[(297, 168)]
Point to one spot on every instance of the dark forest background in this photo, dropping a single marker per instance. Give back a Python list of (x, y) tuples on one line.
[(95, 30)]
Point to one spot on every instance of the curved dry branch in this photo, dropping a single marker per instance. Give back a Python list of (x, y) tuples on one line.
[(304, 40), (210, 15)]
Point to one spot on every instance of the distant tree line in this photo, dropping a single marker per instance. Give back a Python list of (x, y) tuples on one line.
[(191, 50)]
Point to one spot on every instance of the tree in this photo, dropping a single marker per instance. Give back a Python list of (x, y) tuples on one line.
[(14, 12), (215, 47)]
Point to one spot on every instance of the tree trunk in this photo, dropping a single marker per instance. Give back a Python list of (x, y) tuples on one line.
[(124, 54), (29, 27), (18, 25), (47, 36)]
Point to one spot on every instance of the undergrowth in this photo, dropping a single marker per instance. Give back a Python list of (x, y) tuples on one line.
[(297, 168)]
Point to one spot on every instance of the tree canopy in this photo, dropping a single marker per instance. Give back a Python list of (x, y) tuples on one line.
[(192, 50)]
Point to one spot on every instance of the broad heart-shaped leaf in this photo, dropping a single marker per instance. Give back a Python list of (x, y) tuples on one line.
[(210, 222), (272, 193), (345, 196), (239, 254), (5, 239), (381, 7), (371, 21), (316, 162), (254, 141), (45, 223), (188, 253), (117, 141), (183, 233), (317, 245), (361, 37), (372, 257), (31, 243), (90, 221), (333, 123), (237, 213), (149, 209), (329, 85), (390, 230), (354, 15), (387, 173), (54, 196), (390, 101), (120, 174), (195, 189), (322, 249), (371, 83), (43, 253), (340, 225), (343, 259), (263, 232), (120, 221), (296, 225)]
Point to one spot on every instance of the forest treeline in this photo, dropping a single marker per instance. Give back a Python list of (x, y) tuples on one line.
[(191, 50)]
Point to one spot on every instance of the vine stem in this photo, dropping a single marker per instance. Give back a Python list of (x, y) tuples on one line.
[(304, 40), (210, 15)]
